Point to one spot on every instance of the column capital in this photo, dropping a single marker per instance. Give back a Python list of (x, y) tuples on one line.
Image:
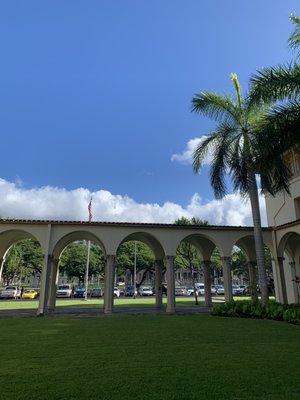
[(280, 259), (111, 257)]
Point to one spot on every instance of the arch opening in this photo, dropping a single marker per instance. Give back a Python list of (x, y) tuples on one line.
[(20, 270), (138, 258), (198, 269), (289, 251), (70, 283)]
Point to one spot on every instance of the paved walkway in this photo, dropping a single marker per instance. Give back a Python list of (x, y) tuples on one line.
[(89, 311)]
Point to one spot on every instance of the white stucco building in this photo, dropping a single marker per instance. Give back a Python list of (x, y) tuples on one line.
[(283, 212)]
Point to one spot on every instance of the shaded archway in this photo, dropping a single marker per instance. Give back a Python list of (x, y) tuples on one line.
[(140, 267), (197, 249), (289, 263), (21, 267), (69, 256), (249, 265)]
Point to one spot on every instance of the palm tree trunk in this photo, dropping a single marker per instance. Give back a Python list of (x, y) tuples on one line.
[(258, 238)]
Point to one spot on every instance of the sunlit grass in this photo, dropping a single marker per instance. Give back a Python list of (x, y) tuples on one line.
[(148, 357)]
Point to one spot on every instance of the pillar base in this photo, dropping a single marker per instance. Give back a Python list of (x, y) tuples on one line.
[(170, 311)]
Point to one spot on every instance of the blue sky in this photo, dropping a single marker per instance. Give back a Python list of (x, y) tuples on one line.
[(96, 94)]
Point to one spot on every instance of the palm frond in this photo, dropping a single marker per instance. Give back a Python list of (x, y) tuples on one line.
[(275, 83), (294, 39), (218, 107), (201, 151), (237, 87), (211, 143), (281, 127), (218, 168)]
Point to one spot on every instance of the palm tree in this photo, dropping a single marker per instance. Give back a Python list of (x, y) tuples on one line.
[(281, 85), (239, 149)]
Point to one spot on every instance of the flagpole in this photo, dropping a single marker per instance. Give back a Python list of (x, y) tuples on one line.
[(87, 270), (134, 272), (86, 283)]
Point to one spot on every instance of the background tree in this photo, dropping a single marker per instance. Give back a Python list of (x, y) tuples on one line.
[(144, 260), (73, 261), (23, 259)]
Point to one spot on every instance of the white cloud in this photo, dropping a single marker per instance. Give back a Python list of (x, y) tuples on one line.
[(186, 157), (58, 203)]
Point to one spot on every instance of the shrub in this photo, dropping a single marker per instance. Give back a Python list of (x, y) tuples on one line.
[(249, 309)]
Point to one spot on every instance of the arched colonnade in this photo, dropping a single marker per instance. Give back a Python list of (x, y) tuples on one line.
[(163, 239)]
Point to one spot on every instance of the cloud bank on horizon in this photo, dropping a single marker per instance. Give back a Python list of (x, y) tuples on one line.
[(62, 204)]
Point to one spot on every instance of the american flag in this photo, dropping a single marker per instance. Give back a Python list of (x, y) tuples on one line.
[(90, 210)]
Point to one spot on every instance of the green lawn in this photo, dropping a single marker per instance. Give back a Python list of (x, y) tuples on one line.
[(148, 357), (128, 302), (139, 302)]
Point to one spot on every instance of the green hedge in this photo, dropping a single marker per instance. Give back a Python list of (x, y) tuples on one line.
[(248, 309)]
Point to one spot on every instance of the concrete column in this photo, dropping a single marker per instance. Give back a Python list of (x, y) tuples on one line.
[(170, 284), (45, 285), (53, 285), (2, 262), (226, 264), (294, 284), (252, 280), (109, 284), (281, 280), (158, 284), (207, 283)]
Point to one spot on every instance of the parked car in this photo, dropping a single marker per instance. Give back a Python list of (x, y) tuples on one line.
[(181, 291), (116, 292), (64, 291), (129, 291), (79, 293), (200, 288), (243, 288), (220, 290), (237, 290), (213, 289), (190, 291), (30, 294), (145, 291), (97, 292), (10, 292)]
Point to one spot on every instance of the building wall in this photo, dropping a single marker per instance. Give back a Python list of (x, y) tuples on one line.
[(284, 208)]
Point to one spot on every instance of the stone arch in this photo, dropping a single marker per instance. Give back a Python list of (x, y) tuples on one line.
[(204, 243), (74, 236), (9, 237), (289, 265), (149, 239), (289, 243)]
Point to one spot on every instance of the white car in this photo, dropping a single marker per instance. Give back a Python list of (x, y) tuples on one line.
[(64, 291), (116, 292), (10, 292), (200, 288), (220, 290), (145, 291), (190, 291)]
